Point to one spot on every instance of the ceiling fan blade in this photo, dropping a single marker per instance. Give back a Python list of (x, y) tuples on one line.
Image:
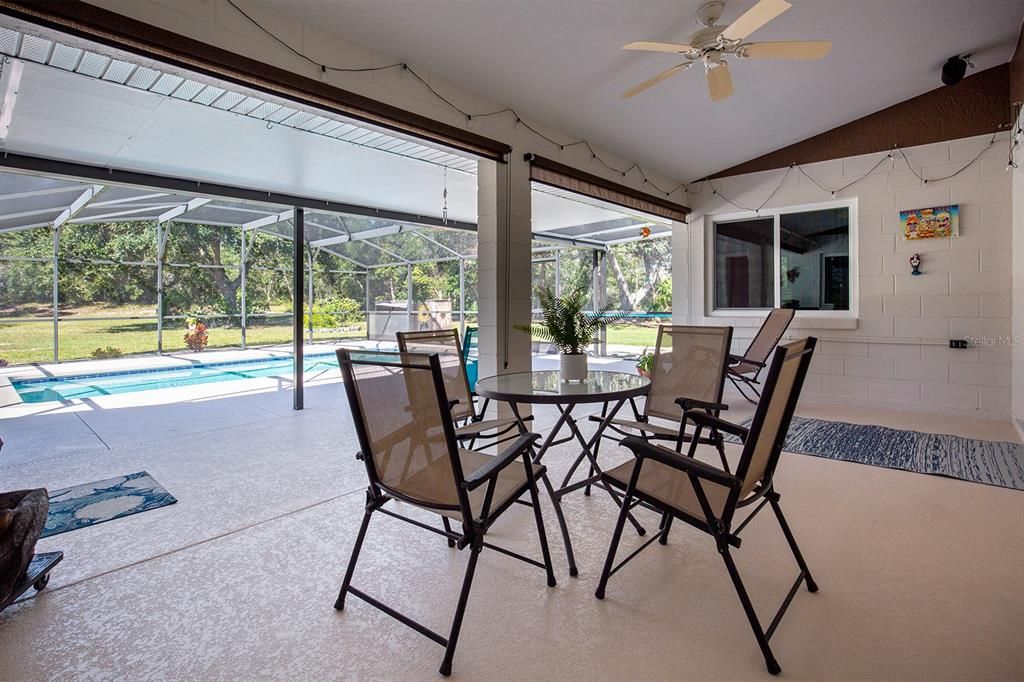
[(667, 73), (719, 82), (658, 47), (788, 49), (754, 18)]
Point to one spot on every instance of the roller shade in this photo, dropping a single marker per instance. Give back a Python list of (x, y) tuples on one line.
[(548, 172), (115, 30)]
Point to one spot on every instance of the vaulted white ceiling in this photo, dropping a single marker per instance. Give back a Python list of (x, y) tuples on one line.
[(560, 62)]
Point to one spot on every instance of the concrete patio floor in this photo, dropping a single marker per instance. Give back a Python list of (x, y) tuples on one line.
[(237, 580)]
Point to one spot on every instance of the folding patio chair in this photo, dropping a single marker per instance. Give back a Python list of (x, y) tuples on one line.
[(707, 498), (407, 442), (744, 370), (688, 373), (445, 342)]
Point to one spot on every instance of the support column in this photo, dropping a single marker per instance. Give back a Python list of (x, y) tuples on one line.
[(310, 257), (161, 247), (462, 297), (408, 297), (369, 299), (687, 246), (298, 270), (56, 298), (243, 275), (599, 297), (503, 266), (558, 272)]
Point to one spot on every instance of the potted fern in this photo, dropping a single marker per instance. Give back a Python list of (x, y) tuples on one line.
[(569, 327)]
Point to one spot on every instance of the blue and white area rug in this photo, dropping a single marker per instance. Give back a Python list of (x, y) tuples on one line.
[(978, 461), (91, 503)]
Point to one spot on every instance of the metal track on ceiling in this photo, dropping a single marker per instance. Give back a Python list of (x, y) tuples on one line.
[(95, 65)]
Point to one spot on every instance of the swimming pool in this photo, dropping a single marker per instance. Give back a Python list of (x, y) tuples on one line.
[(129, 381)]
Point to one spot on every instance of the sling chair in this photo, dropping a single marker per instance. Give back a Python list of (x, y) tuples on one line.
[(682, 487), (407, 442), (744, 370)]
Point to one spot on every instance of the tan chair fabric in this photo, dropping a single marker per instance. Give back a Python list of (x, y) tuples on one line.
[(444, 342), (649, 427), (775, 325), (671, 487), (402, 420), (474, 428), (511, 482), (689, 362), (774, 412)]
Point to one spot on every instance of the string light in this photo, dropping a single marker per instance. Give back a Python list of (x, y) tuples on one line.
[(717, 192), (1015, 138)]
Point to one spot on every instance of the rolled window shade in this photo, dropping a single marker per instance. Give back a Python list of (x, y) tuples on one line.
[(548, 172)]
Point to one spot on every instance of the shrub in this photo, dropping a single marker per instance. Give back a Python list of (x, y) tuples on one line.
[(645, 363), (197, 337), (662, 301), (106, 353), (335, 311)]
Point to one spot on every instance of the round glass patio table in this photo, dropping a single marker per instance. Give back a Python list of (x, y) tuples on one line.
[(547, 387)]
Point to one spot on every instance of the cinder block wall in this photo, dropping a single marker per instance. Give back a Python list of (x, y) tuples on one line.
[(1018, 298), (895, 354)]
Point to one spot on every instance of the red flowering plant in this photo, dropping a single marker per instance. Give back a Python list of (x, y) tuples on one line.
[(197, 335)]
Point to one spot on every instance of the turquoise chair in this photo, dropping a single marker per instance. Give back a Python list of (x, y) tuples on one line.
[(470, 355)]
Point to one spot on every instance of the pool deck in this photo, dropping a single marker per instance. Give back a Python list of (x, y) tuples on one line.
[(181, 360), (175, 360)]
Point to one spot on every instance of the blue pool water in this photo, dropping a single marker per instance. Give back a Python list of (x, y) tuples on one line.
[(93, 385)]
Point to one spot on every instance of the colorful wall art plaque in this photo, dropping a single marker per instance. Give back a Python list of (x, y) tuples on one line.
[(930, 223)]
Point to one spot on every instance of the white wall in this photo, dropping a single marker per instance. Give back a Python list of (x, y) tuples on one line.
[(1018, 297), (895, 354)]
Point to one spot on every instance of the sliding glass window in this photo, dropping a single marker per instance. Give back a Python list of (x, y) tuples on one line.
[(796, 259)]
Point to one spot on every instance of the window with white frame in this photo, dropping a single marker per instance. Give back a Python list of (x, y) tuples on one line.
[(788, 258)]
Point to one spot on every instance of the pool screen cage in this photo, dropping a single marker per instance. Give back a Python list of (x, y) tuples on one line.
[(91, 270), (136, 266)]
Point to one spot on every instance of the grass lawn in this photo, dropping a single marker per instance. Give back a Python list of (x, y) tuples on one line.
[(31, 341), (639, 335), (25, 340)]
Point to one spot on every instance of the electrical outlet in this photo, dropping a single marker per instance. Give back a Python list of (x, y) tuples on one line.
[(958, 343)]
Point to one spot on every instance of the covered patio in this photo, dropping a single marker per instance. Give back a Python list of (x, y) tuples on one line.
[(211, 212)]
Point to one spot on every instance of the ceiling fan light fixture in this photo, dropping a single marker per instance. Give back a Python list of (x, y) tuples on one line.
[(709, 13), (713, 59)]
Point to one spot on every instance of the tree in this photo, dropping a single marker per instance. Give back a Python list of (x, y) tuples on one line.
[(214, 287), (637, 269)]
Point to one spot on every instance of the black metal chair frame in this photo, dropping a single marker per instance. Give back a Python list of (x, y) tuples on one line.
[(719, 527), (751, 381), (473, 530), (476, 416)]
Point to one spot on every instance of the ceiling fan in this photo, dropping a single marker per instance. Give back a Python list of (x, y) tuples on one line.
[(713, 43)]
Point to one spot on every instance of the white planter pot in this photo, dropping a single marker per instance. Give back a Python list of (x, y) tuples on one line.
[(573, 367)]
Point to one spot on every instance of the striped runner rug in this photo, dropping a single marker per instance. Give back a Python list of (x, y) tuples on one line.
[(968, 459)]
